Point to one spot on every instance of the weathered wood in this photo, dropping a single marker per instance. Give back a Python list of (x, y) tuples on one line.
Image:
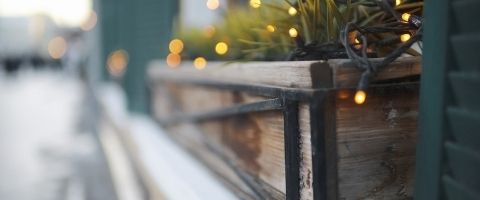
[(376, 144), (369, 149), (339, 73)]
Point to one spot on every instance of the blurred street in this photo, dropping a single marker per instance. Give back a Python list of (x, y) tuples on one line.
[(48, 147)]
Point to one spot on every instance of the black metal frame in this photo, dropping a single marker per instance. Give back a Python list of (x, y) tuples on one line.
[(287, 100)]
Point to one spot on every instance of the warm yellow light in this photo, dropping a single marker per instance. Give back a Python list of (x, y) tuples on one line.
[(173, 60), (292, 11), (255, 3), (357, 41), (200, 63), (293, 32), (221, 48), (270, 28), (360, 97), (213, 4), (209, 31), (57, 47), (91, 21), (117, 62), (405, 37), (398, 2), (406, 16), (176, 46)]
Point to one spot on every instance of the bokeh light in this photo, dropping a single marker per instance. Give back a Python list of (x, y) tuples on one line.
[(57, 47), (221, 48), (360, 97), (117, 62), (91, 21), (293, 32), (255, 3), (398, 2), (406, 16), (292, 11), (270, 28), (405, 37), (173, 60), (176, 46), (213, 4), (200, 63)]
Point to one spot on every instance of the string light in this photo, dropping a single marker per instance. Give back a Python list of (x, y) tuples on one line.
[(270, 28), (255, 3), (175, 46), (173, 60), (221, 48), (357, 44), (293, 32), (406, 16), (405, 37), (398, 2), (213, 4), (200, 63), (292, 11), (360, 97)]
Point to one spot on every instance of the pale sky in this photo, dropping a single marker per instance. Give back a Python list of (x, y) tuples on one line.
[(194, 13), (63, 12)]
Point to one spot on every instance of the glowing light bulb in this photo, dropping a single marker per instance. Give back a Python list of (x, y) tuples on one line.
[(293, 32), (200, 63), (176, 46), (173, 60), (270, 28), (406, 16), (213, 4), (398, 2), (292, 11), (255, 3), (405, 37), (360, 97), (221, 48), (357, 41)]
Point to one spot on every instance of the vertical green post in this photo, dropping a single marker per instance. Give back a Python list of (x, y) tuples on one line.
[(143, 29), (431, 130)]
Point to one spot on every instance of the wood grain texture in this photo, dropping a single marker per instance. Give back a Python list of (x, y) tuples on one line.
[(253, 142), (376, 144), (335, 73), (370, 147)]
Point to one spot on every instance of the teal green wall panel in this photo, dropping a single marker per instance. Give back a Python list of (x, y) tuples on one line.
[(143, 28), (448, 153)]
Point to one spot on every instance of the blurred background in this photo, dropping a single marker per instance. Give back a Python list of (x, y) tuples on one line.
[(58, 58)]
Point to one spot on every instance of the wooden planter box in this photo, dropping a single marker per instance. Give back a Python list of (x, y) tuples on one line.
[(276, 130)]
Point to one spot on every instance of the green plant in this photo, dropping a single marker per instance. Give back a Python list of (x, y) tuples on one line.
[(263, 33)]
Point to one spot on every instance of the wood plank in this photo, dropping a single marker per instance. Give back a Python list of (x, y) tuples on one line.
[(335, 73), (376, 144), (371, 147)]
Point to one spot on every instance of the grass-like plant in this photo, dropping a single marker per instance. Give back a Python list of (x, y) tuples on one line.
[(263, 33)]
